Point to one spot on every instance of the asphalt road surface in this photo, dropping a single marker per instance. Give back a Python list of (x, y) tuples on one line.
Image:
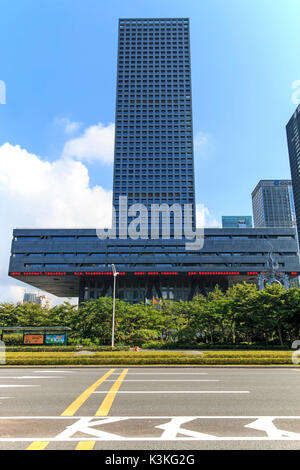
[(149, 408)]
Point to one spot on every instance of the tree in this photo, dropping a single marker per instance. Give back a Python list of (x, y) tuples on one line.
[(61, 315), (30, 314), (240, 318), (270, 302), (93, 320), (8, 316), (207, 313)]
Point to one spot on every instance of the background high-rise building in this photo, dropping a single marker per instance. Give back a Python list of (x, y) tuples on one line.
[(293, 138), (153, 160), (41, 300), (235, 221), (273, 204), (29, 297)]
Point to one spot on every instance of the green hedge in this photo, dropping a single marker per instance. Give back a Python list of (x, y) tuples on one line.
[(151, 358), (13, 339), (160, 345), (51, 348)]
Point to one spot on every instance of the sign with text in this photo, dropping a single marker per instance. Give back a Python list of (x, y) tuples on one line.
[(33, 339), (55, 339)]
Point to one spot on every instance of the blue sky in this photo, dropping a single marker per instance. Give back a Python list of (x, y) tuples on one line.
[(59, 59)]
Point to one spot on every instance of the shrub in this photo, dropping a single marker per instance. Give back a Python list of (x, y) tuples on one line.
[(13, 339), (51, 348), (109, 358), (206, 346)]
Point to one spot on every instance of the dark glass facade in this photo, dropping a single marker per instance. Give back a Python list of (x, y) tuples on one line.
[(153, 161), (273, 204), (293, 138), (74, 262), (236, 221)]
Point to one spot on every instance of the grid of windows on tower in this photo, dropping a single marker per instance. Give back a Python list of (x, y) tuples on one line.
[(153, 140)]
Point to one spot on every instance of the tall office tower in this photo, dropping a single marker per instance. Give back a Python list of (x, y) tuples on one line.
[(153, 164), (293, 138), (236, 221), (153, 161), (273, 204)]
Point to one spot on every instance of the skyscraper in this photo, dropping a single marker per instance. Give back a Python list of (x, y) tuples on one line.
[(293, 138), (154, 133), (153, 164), (273, 204)]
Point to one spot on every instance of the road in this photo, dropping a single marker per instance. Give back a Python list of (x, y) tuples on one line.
[(149, 408)]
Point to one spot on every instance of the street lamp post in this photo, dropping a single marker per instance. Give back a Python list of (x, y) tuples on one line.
[(115, 273)]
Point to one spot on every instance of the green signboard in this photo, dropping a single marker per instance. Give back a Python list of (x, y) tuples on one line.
[(55, 339)]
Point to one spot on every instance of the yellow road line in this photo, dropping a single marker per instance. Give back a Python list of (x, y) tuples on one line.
[(38, 445), (76, 404), (85, 445), (105, 406)]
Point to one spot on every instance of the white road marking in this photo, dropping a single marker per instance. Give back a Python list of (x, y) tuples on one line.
[(164, 380), (164, 373), (173, 427), (85, 426), (170, 429), (176, 391), (144, 439), (267, 425), (244, 417), (54, 371), (30, 377), (15, 386), (4, 398)]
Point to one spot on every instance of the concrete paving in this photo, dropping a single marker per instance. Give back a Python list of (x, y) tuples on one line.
[(149, 408)]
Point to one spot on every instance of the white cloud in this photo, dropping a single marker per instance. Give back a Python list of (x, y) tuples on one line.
[(204, 218), (69, 126), (37, 193), (58, 194), (96, 143)]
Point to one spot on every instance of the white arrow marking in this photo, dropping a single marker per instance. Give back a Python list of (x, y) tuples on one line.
[(85, 425), (172, 428), (267, 425)]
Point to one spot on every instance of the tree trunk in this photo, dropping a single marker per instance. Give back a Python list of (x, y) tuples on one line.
[(265, 338), (280, 335)]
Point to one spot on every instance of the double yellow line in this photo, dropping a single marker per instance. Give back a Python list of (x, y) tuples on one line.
[(103, 409)]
